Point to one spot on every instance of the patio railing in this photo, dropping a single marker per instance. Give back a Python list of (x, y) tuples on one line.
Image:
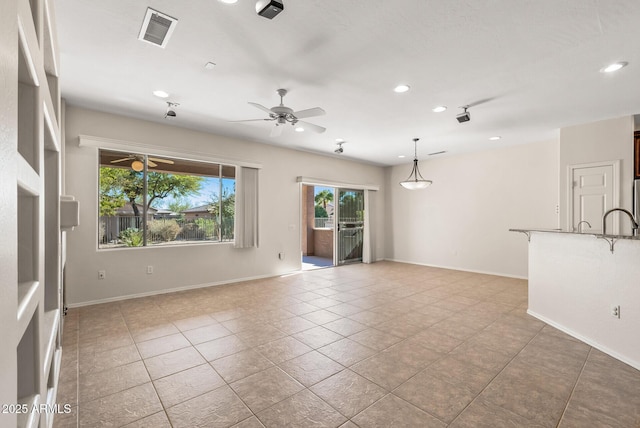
[(122, 231), (323, 223)]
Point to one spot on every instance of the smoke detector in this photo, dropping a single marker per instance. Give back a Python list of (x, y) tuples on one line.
[(157, 28)]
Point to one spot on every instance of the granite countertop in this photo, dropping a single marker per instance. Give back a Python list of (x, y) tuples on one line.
[(569, 232)]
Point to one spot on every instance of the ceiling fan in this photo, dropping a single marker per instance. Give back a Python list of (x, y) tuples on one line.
[(282, 115), (137, 163)]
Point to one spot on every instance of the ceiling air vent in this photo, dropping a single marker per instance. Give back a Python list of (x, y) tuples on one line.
[(157, 28)]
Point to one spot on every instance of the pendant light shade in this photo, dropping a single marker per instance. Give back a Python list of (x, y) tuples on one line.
[(415, 180)]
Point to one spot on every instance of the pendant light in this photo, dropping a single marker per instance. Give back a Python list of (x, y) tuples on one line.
[(415, 180)]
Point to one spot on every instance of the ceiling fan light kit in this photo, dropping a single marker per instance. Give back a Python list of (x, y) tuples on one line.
[(137, 165), (282, 115), (137, 161), (415, 180)]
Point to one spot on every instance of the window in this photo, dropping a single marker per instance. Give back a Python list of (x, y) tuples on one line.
[(176, 202)]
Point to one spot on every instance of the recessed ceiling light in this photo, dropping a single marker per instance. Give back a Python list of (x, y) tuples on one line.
[(439, 109), (161, 94), (401, 88), (497, 137), (228, 1), (339, 140), (299, 129), (210, 65), (401, 156), (614, 67)]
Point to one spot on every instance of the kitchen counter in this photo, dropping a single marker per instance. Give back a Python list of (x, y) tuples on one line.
[(597, 235), (586, 289)]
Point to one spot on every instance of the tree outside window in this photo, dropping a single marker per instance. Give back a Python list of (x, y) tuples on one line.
[(175, 208)]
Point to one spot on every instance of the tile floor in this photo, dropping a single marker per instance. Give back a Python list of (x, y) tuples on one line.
[(379, 345)]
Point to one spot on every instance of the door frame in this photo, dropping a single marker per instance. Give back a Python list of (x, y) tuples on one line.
[(615, 164), (309, 181)]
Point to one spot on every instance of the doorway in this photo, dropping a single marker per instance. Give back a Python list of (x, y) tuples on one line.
[(593, 189), (333, 224), (317, 226)]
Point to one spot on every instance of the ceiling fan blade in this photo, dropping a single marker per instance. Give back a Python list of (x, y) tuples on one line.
[(151, 164), (310, 112), (121, 160), (276, 131), (261, 107), (250, 120), (312, 127), (162, 160)]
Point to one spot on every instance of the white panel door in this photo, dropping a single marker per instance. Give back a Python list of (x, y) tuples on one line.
[(593, 189)]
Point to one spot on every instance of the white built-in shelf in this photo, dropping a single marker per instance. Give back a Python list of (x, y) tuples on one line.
[(51, 130), (49, 48), (50, 330), (28, 178), (39, 178), (31, 419), (27, 33), (53, 84), (28, 299)]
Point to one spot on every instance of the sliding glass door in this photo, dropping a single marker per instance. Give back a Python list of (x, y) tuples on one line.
[(349, 226)]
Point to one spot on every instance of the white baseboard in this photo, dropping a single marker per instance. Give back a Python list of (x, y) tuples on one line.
[(231, 281), (506, 275), (173, 290), (587, 340)]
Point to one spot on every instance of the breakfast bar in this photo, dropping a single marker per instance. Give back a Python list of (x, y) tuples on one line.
[(588, 286)]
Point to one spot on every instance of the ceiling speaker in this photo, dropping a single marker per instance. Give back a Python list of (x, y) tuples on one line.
[(269, 8), (463, 117)]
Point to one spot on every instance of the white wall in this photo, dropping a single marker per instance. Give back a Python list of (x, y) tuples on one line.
[(573, 283), (176, 267), (462, 220), (606, 140)]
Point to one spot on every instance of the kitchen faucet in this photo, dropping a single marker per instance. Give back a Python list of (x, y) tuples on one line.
[(580, 223), (634, 223)]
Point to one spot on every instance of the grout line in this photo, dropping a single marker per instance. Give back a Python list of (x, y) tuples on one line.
[(498, 374), (329, 282), (575, 385)]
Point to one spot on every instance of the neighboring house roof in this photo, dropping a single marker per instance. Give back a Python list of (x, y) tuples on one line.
[(162, 211), (200, 209), (128, 209)]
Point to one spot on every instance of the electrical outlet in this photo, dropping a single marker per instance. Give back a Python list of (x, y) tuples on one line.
[(615, 311), (102, 274), (149, 270), (281, 256)]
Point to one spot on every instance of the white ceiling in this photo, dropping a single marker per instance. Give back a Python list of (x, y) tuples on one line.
[(527, 68)]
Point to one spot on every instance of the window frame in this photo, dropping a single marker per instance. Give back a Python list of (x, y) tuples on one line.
[(144, 214), (101, 143)]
